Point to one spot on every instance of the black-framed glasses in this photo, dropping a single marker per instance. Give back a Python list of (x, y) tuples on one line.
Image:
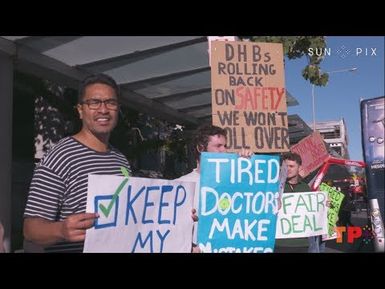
[(110, 103)]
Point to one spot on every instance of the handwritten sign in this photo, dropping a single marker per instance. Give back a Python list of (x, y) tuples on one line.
[(302, 215), (313, 153), (219, 38), (249, 96), (139, 215), (238, 203), (336, 198)]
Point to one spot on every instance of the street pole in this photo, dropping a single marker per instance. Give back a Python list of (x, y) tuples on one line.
[(313, 98), (313, 86)]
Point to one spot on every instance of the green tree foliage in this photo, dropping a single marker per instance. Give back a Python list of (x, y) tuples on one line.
[(141, 137), (43, 108), (40, 108), (297, 47)]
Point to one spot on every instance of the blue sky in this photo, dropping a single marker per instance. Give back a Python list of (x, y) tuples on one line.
[(341, 97)]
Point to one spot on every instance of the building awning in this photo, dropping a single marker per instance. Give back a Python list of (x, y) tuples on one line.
[(298, 129), (167, 77)]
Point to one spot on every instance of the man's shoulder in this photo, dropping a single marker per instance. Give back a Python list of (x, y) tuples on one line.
[(299, 187), (61, 147), (304, 187), (120, 157), (302, 183), (117, 151)]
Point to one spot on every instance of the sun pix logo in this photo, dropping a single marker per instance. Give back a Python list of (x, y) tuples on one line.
[(343, 51)]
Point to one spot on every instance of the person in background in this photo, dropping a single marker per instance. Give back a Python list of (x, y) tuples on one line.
[(345, 212), (294, 183), (207, 138)]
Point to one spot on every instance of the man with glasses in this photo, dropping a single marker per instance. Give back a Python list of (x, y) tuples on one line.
[(55, 217)]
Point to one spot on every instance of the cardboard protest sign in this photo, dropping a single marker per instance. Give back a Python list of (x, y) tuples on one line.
[(237, 203), (302, 215), (249, 96), (313, 153), (218, 38), (139, 215), (336, 198)]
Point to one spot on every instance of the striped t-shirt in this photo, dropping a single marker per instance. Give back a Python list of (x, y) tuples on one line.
[(59, 185)]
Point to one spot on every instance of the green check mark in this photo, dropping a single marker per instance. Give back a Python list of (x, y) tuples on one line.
[(124, 172), (106, 211)]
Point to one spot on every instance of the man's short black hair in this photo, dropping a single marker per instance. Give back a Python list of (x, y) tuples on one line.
[(202, 135), (293, 157), (97, 78)]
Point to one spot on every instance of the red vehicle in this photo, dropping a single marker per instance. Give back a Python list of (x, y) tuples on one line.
[(358, 185), (330, 161), (353, 185)]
